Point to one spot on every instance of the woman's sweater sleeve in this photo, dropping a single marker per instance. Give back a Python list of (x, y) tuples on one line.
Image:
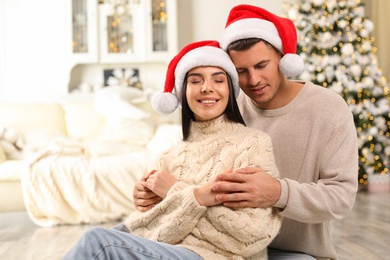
[(169, 221), (173, 218), (244, 231)]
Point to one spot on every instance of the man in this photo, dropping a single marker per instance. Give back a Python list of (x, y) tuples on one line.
[(312, 130), (313, 134)]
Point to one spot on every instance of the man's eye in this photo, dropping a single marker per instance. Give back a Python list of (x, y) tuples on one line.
[(260, 66)]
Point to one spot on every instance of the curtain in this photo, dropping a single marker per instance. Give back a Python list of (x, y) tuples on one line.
[(378, 12)]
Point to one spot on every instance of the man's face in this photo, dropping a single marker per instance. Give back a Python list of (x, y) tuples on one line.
[(259, 74)]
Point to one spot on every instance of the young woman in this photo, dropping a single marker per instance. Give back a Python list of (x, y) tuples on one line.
[(187, 222)]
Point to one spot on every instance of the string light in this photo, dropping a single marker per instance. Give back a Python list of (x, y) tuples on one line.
[(342, 49)]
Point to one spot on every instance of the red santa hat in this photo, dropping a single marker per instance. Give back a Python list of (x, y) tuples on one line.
[(196, 54), (247, 21)]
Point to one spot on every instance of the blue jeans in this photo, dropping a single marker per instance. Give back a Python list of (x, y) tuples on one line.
[(276, 254), (102, 243)]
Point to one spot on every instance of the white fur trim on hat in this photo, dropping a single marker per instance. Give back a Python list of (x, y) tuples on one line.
[(291, 65), (164, 102), (251, 28)]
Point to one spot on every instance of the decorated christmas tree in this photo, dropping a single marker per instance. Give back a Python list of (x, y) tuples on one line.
[(339, 54)]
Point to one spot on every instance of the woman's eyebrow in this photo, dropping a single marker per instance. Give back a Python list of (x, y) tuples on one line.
[(218, 72), (194, 74)]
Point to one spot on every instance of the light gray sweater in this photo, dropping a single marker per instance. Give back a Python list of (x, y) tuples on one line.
[(214, 232), (315, 146)]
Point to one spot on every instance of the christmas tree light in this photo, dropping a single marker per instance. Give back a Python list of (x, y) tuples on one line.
[(335, 43)]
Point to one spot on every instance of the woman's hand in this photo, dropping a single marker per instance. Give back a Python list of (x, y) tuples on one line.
[(205, 195), (144, 198), (160, 182)]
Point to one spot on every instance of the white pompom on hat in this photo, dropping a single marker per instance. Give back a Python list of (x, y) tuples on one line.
[(247, 21), (196, 54)]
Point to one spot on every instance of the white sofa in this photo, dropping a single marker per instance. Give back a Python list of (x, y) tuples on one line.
[(25, 118), (35, 125)]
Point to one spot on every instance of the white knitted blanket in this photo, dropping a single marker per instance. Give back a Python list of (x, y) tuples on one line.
[(69, 182)]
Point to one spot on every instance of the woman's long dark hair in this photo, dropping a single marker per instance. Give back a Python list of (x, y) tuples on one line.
[(232, 111)]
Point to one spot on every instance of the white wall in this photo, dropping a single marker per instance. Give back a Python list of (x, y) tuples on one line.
[(33, 37), (206, 19), (2, 46), (34, 46)]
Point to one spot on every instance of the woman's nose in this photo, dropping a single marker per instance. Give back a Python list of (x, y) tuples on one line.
[(206, 88)]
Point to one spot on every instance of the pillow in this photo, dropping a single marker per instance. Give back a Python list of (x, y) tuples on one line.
[(2, 155), (117, 102), (11, 144), (129, 131), (166, 136), (12, 136), (82, 120), (39, 139), (2, 130), (11, 152)]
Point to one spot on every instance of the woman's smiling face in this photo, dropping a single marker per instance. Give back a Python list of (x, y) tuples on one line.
[(207, 92)]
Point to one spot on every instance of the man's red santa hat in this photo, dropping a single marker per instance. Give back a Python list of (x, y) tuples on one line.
[(247, 21), (196, 54)]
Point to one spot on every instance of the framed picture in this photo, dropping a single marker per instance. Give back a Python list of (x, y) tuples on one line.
[(125, 77)]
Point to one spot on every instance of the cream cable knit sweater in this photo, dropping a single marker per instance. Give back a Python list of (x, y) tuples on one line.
[(212, 232)]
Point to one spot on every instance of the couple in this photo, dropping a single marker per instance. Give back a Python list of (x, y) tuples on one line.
[(221, 193)]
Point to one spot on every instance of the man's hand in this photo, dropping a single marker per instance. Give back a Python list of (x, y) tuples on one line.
[(144, 198), (247, 187)]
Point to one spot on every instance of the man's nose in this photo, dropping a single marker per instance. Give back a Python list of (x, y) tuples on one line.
[(254, 78)]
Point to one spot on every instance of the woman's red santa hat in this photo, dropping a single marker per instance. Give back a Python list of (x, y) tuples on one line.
[(247, 21), (196, 54)]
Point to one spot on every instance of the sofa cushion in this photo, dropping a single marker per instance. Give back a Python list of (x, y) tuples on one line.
[(26, 117), (10, 186), (12, 191), (11, 169)]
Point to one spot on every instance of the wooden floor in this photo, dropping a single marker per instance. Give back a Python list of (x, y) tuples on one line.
[(364, 234)]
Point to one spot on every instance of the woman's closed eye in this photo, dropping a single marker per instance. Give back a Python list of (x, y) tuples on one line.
[(219, 78), (194, 82), (195, 79), (219, 81)]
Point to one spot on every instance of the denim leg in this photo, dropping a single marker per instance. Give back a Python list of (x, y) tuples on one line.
[(276, 254), (101, 243)]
